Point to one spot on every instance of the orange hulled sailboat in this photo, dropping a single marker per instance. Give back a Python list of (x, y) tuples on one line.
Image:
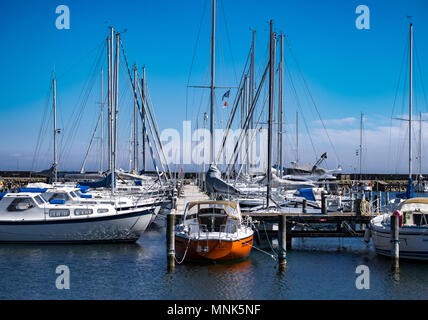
[(213, 231)]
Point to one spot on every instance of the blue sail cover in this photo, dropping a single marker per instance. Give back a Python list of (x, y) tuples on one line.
[(2, 194), (82, 188), (308, 194), (106, 182), (409, 191), (34, 190)]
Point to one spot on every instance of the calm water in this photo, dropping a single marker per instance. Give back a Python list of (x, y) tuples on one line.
[(317, 269)]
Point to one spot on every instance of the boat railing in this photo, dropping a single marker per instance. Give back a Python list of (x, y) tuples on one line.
[(199, 247)]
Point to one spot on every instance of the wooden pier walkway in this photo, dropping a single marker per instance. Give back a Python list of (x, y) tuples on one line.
[(189, 192), (346, 222)]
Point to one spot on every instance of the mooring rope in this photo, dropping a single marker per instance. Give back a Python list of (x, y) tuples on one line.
[(185, 253)]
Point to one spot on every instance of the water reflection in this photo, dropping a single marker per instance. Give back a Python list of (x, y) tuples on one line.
[(315, 270)]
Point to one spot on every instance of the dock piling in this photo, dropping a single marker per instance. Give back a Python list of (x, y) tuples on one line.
[(395, 243), (386, 199), (170, 240), (282, 242), (323, 203), (304, 204)]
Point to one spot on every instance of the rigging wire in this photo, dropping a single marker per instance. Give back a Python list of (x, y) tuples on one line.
[(43, 128), (293, 88), (194, 54), (313, 101), (228, 40), (78, 113), (393, 105)]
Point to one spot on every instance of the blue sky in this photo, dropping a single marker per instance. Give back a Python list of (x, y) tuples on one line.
[(347, 70)]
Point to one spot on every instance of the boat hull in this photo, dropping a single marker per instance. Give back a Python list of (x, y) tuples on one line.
[(123, 227), (212, 249), (412, 245)]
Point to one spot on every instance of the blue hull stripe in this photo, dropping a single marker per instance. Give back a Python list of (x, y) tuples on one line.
[(79, 220)]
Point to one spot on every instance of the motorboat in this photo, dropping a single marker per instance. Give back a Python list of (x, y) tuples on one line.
[(27, 217), (213, 230), (413, 230)]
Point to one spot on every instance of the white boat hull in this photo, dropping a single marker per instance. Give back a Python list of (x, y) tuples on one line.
[(413, 241), (123, 227)]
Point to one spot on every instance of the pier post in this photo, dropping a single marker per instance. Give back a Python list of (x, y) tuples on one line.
[(386, 199), (170, 240), (323, 203), (358, 206), (282, 242), (395, 243), (304, 203)]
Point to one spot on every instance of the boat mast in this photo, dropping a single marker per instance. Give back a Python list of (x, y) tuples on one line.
[(247, 108), (55, 172), (116, 96), (143, 122), (280, 102), (212, 83), (135, 168), (420, 144), (361, 144), (297, 137), (205, 126), (410, 102), (102, 124), (251, 94), (110, 96), (272, 45)]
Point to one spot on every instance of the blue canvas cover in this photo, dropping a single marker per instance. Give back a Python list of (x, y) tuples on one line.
[(57, 201), (307, 194), (34, 190), (106, 182)]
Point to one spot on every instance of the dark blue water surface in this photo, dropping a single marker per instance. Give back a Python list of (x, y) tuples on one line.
[(317, 269)]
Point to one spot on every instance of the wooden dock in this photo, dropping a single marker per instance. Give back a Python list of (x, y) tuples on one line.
[(299, 225), (188, 193), (304, 225)]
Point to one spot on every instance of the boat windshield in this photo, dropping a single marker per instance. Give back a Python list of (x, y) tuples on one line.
[(409, 207), (209, 208), (57, 196)]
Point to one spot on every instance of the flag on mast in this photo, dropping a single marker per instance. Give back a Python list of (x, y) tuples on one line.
[(225, 96)]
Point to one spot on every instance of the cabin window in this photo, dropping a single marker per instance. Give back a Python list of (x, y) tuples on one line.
[(55, 213), (420, 219), (39, 200), (21, 204), (82, 212), (213, 223), (73, 194), (59, 196)]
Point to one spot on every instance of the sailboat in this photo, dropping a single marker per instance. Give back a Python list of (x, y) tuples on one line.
[(63, 216), (413, 212), (213, 230)]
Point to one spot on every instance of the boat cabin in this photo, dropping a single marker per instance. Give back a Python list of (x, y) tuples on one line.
[(212, 216), (415, 211)]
